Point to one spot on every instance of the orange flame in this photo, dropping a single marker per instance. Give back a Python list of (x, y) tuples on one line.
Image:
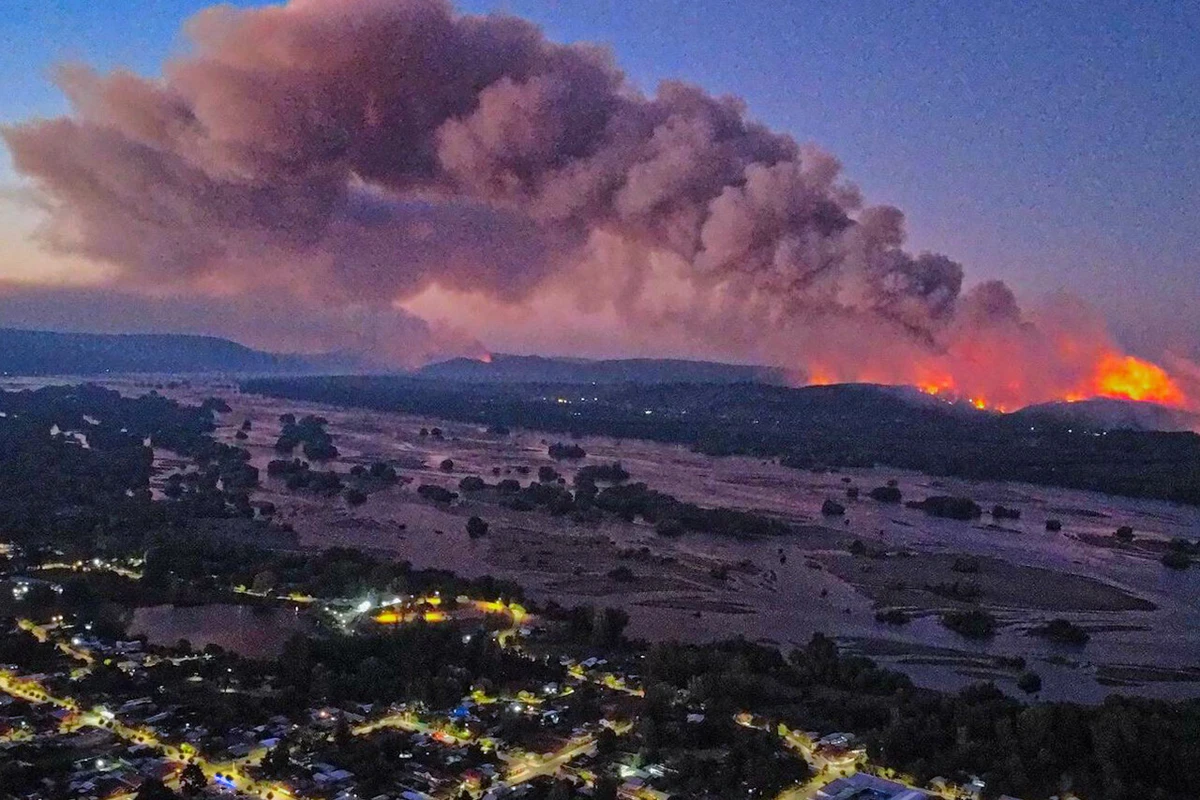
[(1134, 379), (1111, 375)]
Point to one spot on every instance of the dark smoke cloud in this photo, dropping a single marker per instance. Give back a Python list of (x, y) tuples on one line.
[(355, 152), (323, 160)]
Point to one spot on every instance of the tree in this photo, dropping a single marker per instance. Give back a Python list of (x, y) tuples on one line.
[(832, 508), (276, 761), (1029, 682), (192, 780), (606, 742), (154, 789), (606, 788), (476, 527), (341, 732), (1176, 559), (973, 624), (264, 581)]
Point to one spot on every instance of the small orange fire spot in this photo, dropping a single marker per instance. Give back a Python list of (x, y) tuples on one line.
[(819, 376)]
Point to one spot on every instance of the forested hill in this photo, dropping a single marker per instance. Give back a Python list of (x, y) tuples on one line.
[(502, 368), (24, 352)]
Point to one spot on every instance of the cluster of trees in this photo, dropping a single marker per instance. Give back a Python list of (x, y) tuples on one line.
[(54, 489), (960, 591), (730, 761), (973, 623), (309, 433), (670, 516), (435, 664), (437, 494), (1061, 630), (963, 508), (340, 572), (601, 473), (566, 452), (601, 629), (1179, 553), (885, 494), (298, 474), (673, 517)]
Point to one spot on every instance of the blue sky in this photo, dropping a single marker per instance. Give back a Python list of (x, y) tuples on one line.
[(1054, 145)]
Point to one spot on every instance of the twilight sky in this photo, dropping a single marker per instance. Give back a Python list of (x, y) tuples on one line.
[(1050, 145)]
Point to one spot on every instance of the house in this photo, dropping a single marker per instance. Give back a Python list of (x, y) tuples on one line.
[(862, 786)]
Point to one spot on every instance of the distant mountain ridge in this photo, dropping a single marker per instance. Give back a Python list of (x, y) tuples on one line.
[(27, 352), (543, 369)]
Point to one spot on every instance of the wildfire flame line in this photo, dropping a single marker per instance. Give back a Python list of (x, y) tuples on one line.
[(1114, 375)]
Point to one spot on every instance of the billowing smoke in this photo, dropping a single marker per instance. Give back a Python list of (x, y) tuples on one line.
[(356, 153)]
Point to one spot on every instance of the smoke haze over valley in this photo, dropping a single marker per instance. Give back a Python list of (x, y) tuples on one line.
[(401, 180)]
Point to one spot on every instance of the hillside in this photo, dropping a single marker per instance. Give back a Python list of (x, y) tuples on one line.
[(24, 352), (1104, 413), (541, 369)]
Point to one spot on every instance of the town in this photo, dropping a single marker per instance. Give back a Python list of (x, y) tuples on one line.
[(99, 717)]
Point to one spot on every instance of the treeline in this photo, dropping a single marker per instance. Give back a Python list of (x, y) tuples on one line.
[(811, 428), (430, 663), (629, 501)]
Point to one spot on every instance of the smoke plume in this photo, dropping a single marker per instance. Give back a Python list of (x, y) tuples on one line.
[(357, 153)]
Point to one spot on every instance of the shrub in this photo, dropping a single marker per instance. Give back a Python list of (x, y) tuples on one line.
[(886, 494), (1174, 559), (621, 574), (831, 508), (963, 508), (1029, 682), (1061, 630), (559, 451), (973, 624), (1000, 512), (436, 493)]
